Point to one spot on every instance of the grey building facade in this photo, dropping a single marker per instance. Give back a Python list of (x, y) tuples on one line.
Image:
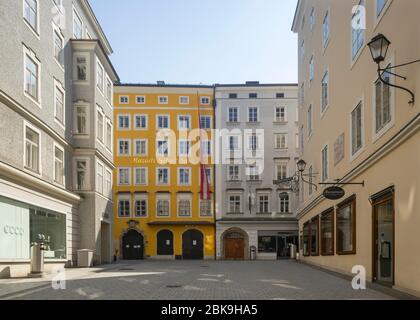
[(56, 143), (258, 144)]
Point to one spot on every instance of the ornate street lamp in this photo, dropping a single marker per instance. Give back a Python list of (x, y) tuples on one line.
[(294, 181), (379, 46)]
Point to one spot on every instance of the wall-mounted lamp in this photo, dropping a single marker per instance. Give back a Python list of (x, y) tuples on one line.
[(379, 46), (294, 181)]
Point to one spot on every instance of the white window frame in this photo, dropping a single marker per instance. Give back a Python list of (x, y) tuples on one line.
[(87, 186), (327, 169), (31, 55), (141, 197), (125, 115), (310, 120), (157, 176), (288, 203), (109, 98), (143, 97), (206, 148), (75, 73), (75, 131), (158, 153), (202, 102), (98, 165), (183, 154), (189, 122), (210, 121), (210, 177), (324, 109), (135, 122), (229, 177), (56, 145), (258, 115), (36, 30), (109, 145), (284, 165), (119, 149), (355, 55), (184, 197), (238, 115), (264, 194), (36, 130), (354, 155), (76, 15), (183, 97), (57, 32), (163, 197), (98, 67), (211, 207), (163, 100), (240, 195), (286, 141), (312, 19), (278, 120), (121, 97), (59, 87), (378, 17), (146, 173), (119, 176), (179, 176), (311, 69), (326, 41), (157, 121), (124, 197), (146, 147), (108, 192), (100, 139)]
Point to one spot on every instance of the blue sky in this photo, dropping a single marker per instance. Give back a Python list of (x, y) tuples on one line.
[(201, 41)]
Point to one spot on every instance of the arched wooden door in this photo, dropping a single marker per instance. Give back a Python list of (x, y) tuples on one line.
[(192, 245), (165, 243), (234, 244), (133, 245)]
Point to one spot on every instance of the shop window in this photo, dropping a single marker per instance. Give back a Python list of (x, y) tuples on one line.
[(327, 233), (346, 227), (267, 244), (314, 236)]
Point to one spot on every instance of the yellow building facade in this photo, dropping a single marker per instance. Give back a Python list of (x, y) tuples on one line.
[(160, 208)]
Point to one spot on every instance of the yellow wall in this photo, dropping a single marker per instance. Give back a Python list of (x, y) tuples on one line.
[(151, 108)]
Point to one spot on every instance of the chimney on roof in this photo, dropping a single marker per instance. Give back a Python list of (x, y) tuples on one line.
[(252, 83)]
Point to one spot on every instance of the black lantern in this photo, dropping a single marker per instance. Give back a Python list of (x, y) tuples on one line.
[(301, 165), (379, 48)]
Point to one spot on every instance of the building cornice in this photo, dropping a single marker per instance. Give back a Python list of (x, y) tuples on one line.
[(299, 7), (394, 142)]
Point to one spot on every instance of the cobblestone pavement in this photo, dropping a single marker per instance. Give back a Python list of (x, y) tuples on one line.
[(192, 280)]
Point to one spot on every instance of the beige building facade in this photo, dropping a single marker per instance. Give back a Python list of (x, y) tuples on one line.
[(354, 128)]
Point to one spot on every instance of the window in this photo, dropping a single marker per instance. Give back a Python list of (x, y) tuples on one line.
[(124, 99), (306, 239), (205, 122), (267, 244), (263, 204), (124, 176), (253, 115), (280, 95), (81, 119), (124, 147), (58, 165), (235, 204), (59, 103), (109, 135), (233, 115), (356, 129), (184, 147), (123, 122), (208, 175), (99, 178), (233, 143), (324, 88), (206, 148), (302, 50), (346, 227), (100, 77), (162, 148), (326, 30), (163, 122), (58, 47), (162, 207), (309, 119), (32, 150), (109, 91), (184, 122), (311, 69), (184, 207), (162, 176), (327, 232), (324, 162), (311, 178), (280, 114), (124, 207), (206, 208), (302, 94), (81, 175), (141, 147), (184, 176), (141, 122), (100, 126), (253, 143), (315, 236), (280, 140), (233, 173), (253, 173), (31, 13), (81, 63), (205, 100), (163, 100), (31, 77), (140, 207), (312, 18), (357, 34), (253, 95), (108, 183), (140, 99), (141, 176), (233, 96), (284, 203), (184, 100), (281, 171), (383, 113), (380, 6), (77, 26)]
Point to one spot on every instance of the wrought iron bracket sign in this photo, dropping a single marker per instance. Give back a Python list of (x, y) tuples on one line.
[(334, 193)]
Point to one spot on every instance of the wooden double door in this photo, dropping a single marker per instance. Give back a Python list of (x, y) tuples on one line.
[(192, 245), (234, 244), (133, 246)]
